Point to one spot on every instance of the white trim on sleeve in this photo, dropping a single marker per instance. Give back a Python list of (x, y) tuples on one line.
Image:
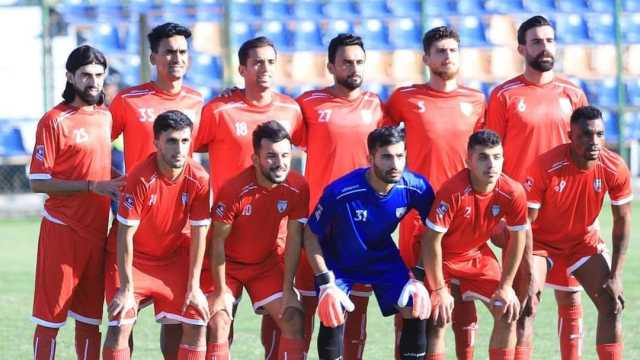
[(127, 222), (435, 227), (204, 222), (533, 205), (40, 177), (622, 201)]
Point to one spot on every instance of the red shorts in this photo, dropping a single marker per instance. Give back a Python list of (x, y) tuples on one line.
[(263, 281), (69, 277), (411, 231), (478, 276), (569, 260), (305, 281), (163, 282)]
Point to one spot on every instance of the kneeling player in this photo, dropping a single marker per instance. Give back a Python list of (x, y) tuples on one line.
[(467, 208), (156, 260), (566, 188), (348, 241), (247, 216)]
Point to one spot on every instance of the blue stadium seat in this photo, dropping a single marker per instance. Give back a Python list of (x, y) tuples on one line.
[(307, 9), (105, 37), (244, 9), (335, 27), (572, 6), (340, 9), (374, 34), (405, 33), (278, 33), (602, 92), (206, 69), (631, 5), (630, 24), (434, 21), (632, 125), (383, 90), (275, 9), (307, 36), (611, 130), (140, 6), (209, 10), (132, 38), (109, 11), (472, 32), (602, 6), (411, 8), (179, 11), (374, 9), (473, 7), (571, 29), (601, 28), (539, 6), (504, 6), (74, 11), (11, 140), (240, 32), (632, 87)]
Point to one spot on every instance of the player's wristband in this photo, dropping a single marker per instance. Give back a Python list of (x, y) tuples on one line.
[(324, 278), (418, 272)]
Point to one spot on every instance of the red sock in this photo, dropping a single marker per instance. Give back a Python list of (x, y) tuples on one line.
[(270, 334), (437, 356), (611, 351), (355, 329), (218, 351), (310, 303), (116, 354), (397, 321), (570, 331), (44, 343), (464, 327), (186, 352), (87, 341), (291, 349), (523, 353), (501, 354)]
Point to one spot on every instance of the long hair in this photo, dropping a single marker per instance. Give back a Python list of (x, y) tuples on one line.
[(79, 57)]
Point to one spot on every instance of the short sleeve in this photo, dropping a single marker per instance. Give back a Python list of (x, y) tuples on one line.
[(45, 150), (305, 137), (535, 186), (620, 188), (199, 214), (423, 200), (384, 116), (320, 219), (298, 129), (516, 218), (442, 212), (393, 108), (226, 208), (207, 128), (481, 120), (131, 202), (300, 205), (496, 117), (582, 99), (117, 109)]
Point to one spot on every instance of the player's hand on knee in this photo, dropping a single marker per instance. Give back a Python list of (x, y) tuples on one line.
[(505, 303), (419, 296), (122, 302), (332, 301), (196, 299), (222, 301), (290, 299), (614, 289), (442, 303)]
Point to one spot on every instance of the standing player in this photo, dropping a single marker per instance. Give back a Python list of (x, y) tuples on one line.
[(163, 193), (467, 208), (338, 119), (348, 241), (250, 208), (71, 163), (569, 182), (531, 111), (438, 116), (134, 109)]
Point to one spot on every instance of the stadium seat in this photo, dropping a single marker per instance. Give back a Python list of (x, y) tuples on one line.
[(209, 10), (413, 8), (633, 91), (504, 63), (611, 130), (307, 67), (244, 9), (307, 36), (132, 38), (307, 9), (380, 89), (602, 92), (539, 6), (631, 5), (501, 30), (179, 11), (575, 60), (504, 6), (571, 6), (603, 60), (602, 6), (472, 7), (378, 66), (471, 31), (278, 33), (406, 66), (240, 32), (206, 69), (335, 27), (10, 140), (631, 121), (405, 33), (435, 21), (105, 37), (140, 6), (109, 11), (373, 9), (374, 34), (601, 28), (74, 11), (571, 29), (340, 9), (275, 9), (630, 24)]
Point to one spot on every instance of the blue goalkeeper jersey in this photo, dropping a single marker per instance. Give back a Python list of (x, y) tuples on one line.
[(354, 223)]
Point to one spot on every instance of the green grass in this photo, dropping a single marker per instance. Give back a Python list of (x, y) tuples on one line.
[(18, 241)]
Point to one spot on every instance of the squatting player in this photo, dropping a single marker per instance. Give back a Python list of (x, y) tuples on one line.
[(71, 163), (569, 182), (337, 121), (348, 241), (163, 193), (531, 111), (439, 117), (249, 209), (467, 208)]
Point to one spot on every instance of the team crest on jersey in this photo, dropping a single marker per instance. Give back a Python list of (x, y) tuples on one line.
[(220, 209), (521, 105), (367, 116), (466, 108), (281, 205), (400, 212), (40, 152), (442, 208), (597, 185), (565, 105), (127, 201), (185, 198), (495, 210)]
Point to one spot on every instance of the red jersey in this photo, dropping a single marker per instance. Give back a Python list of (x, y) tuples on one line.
[(570, 199), (161, 208), (134, 109), (531, 119), (74, 144), (255, 213), (467, 218), (336, 132), (227, 126), (438, 125)]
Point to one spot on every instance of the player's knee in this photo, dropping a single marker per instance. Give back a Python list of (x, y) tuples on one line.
[(413, 339), (193, 335), (293, 323), (330, 342), (568, 297), (606, 306), (118, 336), (219, 327)]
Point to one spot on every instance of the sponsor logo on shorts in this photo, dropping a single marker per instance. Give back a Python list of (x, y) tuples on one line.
[(597, 185), (127, 201), (40, 152), (281, 205), (400, 212), (442, 208), (495, 210)]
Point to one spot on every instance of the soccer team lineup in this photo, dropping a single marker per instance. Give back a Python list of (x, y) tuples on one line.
[(437, 202)]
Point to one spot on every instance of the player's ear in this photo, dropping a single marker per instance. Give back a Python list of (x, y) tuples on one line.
[(425, 59), (331, 68), (152, 58), (241, 70), (521, 49), (69, 77)]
